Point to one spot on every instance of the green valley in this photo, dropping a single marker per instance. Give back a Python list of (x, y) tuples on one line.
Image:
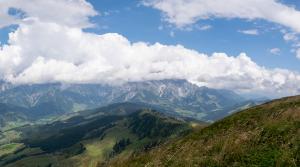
[(92, 137)]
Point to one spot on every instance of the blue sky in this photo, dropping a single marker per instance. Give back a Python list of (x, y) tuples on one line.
[(140, 23)]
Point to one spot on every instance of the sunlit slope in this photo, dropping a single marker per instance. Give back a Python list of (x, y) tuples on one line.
[(266, 135)]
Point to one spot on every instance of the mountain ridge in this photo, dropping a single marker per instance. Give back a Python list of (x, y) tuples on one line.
[(180, 96)]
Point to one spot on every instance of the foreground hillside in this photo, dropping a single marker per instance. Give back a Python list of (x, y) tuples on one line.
[(89, 138), (266, 135)]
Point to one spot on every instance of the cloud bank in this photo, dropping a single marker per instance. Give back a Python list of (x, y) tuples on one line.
[(45, 50)]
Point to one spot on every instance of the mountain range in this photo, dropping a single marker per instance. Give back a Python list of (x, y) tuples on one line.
[(179, 97), (75, 124)]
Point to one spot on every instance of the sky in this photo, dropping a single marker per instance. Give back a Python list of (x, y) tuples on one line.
[(249, 46), (141, 23)]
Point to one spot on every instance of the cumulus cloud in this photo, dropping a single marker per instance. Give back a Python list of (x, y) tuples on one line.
[(185, 12), (67, 12), (249, 32), (47, 52), (43, 51)]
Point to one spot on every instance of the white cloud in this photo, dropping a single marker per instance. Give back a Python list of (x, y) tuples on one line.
[(204, 28), (195, 27), (111, 12), (186, 12), (290, 37), (275, 51), (43, 50), (249, 32), (66, 12)]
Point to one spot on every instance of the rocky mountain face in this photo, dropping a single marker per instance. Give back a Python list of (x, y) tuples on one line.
[(179, 96)]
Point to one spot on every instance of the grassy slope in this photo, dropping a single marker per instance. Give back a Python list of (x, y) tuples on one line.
[(10, 148), (266, 135)]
